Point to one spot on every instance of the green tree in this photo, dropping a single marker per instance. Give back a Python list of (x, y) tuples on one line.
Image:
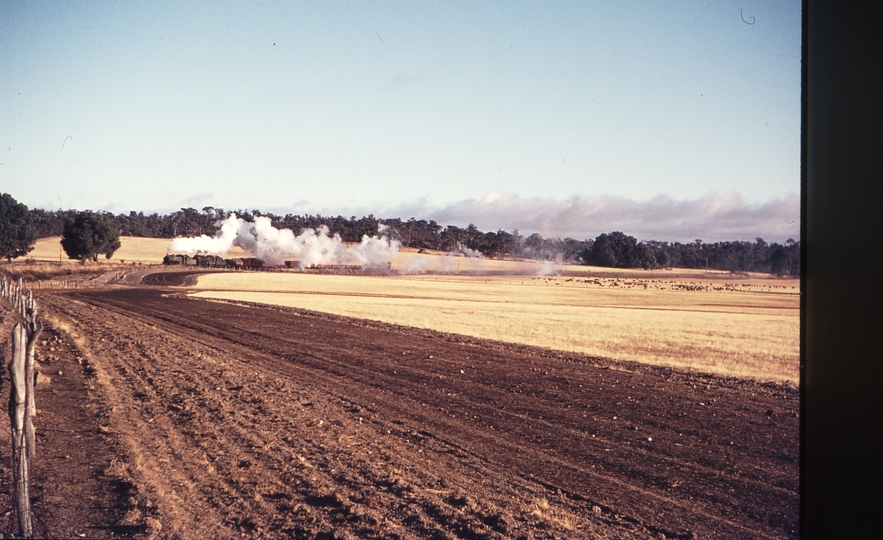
[(17, 232), (785, 260), (643, 257), (89, 235), (614, 249)]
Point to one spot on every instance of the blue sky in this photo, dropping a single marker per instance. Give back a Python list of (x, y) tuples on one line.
[(579, 114)]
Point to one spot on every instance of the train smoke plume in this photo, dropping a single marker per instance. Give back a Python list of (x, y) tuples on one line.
[(261, 240), (461, 249)]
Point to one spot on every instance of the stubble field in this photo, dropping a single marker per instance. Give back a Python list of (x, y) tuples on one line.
[(749, 330)]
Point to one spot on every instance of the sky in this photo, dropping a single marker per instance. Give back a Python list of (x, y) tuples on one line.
[(666, 120)]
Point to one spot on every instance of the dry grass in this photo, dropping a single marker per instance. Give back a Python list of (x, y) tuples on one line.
[(132, 250), (557, 516), (46, 261), (750, 332)]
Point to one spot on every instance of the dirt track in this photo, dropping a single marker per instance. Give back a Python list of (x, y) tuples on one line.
[(234, 419)]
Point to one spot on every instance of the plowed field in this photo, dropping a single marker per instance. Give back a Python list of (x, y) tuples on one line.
[(204, 419)]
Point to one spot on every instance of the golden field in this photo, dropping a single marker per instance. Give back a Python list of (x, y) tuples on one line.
[(133, 249), (751, 330)]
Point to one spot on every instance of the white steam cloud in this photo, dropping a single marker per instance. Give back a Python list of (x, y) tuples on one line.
[(549, 268), (459, 260), (465, 251), (312, 247)]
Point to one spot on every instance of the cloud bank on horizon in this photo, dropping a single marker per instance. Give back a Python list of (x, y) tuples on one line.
[(712, 217)]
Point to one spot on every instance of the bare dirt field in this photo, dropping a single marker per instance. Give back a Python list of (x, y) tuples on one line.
[(173, 417)]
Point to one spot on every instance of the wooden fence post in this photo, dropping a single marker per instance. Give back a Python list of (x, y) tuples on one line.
[(22, 407), (18, 401)]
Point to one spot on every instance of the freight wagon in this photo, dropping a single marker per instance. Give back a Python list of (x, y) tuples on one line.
[(252, 262)]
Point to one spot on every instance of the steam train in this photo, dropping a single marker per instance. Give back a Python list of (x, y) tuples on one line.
[(251, 263), (211, 261)]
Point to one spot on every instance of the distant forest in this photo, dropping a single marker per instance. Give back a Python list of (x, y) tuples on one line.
[(615, 249)]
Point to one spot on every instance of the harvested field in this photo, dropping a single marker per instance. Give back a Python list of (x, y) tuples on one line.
[(746, 327), (132, 249), (211, 419)]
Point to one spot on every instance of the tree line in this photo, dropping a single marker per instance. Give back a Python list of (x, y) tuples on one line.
[(615, 249)]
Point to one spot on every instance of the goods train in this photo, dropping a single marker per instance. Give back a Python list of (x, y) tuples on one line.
[(210, 261), (252, 263)]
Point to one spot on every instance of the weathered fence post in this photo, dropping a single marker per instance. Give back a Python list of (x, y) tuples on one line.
[(22, 406), (18, 401)]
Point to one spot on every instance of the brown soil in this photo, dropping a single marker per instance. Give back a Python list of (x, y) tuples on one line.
[(201, 419)]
